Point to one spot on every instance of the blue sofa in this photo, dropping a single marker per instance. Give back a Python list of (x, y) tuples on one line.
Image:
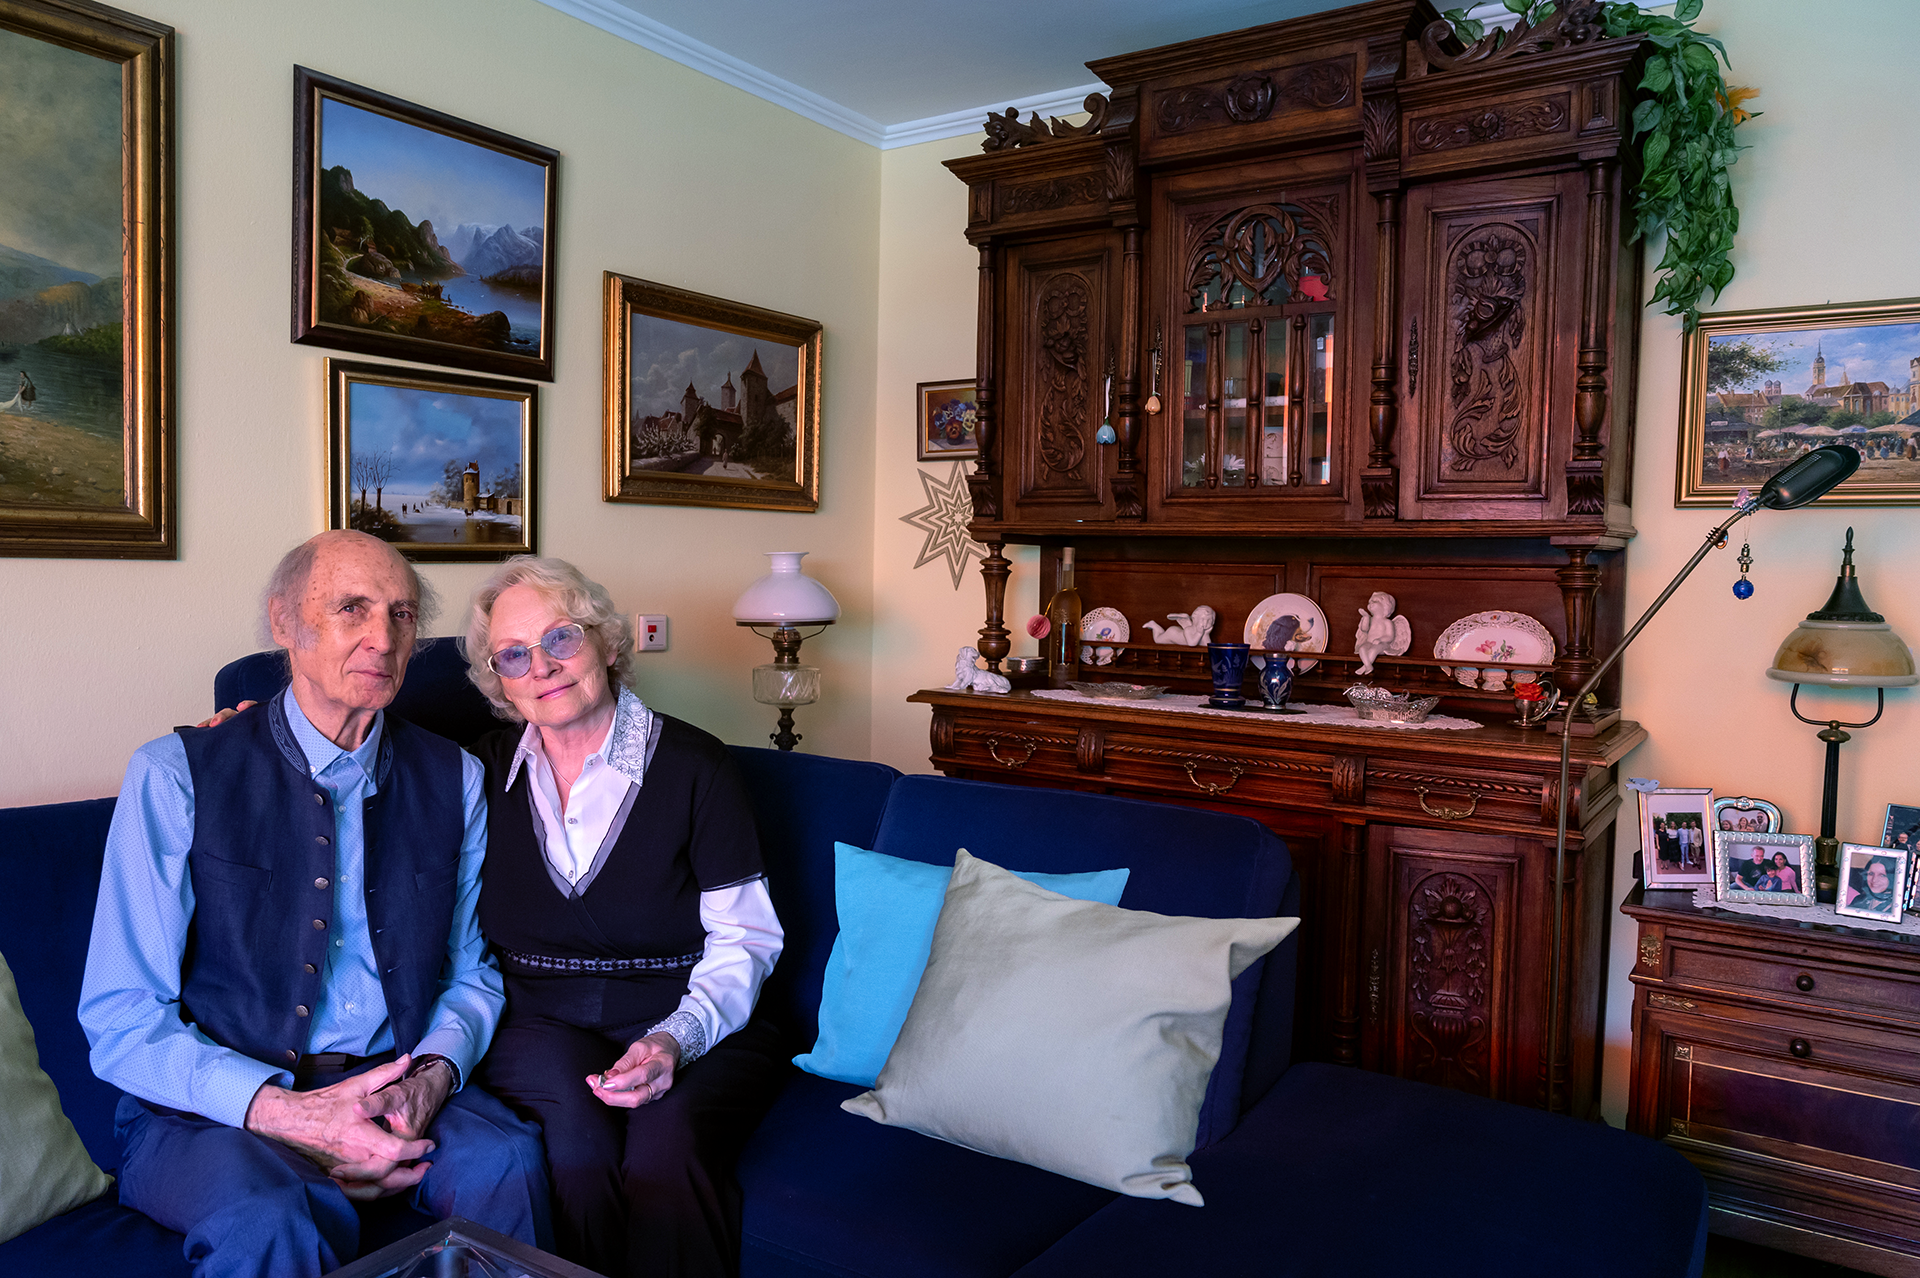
[(1307, 1169)]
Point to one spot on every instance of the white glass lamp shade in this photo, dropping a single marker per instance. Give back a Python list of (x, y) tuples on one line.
[(786, 596), (1845, 654)]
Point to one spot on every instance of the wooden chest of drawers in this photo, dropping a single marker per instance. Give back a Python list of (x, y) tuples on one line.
[(1783, 1059)]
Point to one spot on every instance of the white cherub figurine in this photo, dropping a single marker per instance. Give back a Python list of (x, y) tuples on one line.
[(969, 678), (1193, 630), (1380, 632)]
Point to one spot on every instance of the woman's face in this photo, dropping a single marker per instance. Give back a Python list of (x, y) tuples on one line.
[(1780, 860), (552, 694)]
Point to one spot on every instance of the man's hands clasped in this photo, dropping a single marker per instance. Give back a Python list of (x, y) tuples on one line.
[(368, 1132)]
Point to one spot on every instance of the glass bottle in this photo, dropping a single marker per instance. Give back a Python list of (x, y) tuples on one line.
[(1063, 620)]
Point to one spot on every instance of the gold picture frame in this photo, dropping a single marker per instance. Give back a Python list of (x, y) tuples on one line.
[(474, 500), (1757, 388), (87, 465), (679, 430)]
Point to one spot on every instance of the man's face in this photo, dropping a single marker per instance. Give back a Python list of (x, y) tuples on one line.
[(355, 627), (1758, 856)]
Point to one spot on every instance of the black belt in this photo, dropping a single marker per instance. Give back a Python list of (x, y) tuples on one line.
[(595, 966)]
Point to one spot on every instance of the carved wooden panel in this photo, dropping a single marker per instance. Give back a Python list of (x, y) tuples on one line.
[(1053, 193), (1265, 101), (1490, 293), (1059, 343), (1264, 249), (1503, 122)]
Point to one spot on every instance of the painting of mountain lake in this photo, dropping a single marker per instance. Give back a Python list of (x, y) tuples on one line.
[(1759, 388), (62, 424), (440, 465), (711, 403), (419, 235)]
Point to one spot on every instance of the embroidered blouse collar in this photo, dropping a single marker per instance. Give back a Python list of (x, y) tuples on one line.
[(625, 749)]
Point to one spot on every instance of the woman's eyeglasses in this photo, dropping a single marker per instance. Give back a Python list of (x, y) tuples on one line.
[(561, 642)]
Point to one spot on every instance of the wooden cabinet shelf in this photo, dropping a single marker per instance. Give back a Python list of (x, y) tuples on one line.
[(1783, 1059)]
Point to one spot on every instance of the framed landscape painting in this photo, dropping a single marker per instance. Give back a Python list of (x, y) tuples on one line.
[(86, 283), (1759, 388), (419, 235), (709, 402), (946, 419), (440, 465)]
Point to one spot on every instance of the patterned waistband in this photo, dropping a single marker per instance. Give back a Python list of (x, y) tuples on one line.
[(595, 966)]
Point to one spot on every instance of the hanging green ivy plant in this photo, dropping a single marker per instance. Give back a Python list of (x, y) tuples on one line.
[(1684, 119)]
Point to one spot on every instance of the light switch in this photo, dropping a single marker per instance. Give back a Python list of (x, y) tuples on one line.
[(649, 632)]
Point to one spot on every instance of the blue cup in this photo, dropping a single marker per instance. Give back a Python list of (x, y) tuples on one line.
[(1229, 664)]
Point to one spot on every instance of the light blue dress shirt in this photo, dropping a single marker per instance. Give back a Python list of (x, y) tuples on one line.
[(130, 998)]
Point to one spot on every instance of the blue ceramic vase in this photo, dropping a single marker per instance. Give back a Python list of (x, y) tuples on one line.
[(1276, 683), (1229, 664)]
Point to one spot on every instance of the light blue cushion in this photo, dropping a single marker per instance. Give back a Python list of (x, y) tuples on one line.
[(888, 908)]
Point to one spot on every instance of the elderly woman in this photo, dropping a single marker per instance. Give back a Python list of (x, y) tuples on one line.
[(624, 896)]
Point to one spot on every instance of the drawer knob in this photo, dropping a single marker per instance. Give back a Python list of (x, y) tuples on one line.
[(1803, 982), (1800, 1047)]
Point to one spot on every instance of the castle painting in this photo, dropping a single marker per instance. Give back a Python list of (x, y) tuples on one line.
[(62, 241), (1761, 393), (706, 402)]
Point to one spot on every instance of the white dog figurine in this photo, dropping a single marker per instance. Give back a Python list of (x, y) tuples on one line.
[(1193, 630), (969, 678)]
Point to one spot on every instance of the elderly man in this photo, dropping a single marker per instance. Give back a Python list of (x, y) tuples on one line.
[(285, 974)]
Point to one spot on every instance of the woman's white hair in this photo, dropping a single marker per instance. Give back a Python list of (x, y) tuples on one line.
[(568, 589)]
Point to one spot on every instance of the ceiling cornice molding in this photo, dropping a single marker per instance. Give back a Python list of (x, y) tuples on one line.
[(617, 19), (956, 124)]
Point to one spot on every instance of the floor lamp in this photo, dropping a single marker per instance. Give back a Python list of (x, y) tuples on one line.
[(1805, 479)]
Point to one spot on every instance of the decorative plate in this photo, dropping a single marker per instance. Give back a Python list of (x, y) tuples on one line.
[(1305, 612), (1105, 625), (1512, 637), (1118, 691)]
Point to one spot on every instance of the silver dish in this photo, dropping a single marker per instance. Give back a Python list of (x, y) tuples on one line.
[(1025, 665), (1390, 707), (1118, 691)]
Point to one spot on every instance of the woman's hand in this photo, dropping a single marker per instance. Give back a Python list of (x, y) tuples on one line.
[(644, 1074), (222, 716)]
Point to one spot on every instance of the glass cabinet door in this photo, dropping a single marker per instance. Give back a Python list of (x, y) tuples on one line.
[(1196, 402)]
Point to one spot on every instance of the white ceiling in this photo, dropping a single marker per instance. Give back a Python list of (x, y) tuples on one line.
[(893, 72)]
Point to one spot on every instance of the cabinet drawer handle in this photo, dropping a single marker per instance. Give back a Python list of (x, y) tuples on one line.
[(1447, 814), (1021, 762), (1234, 769), (1671, 1003), (1800, 1047), (1803, 982)]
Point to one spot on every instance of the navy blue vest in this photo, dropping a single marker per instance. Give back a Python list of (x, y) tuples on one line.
[(262, 867)]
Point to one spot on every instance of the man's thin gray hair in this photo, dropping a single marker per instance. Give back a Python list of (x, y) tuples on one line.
[(568, 589), (288, 586)]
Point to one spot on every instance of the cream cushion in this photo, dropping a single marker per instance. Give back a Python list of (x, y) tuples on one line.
[(44, 1169), (1067, 1034)]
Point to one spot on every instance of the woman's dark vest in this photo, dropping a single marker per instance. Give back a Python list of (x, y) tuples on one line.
[(263, 842)]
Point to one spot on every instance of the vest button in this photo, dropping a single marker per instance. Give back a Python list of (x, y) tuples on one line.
[(319, 925), (322, 840), (300, 1010), (292, 1055), (320, 799), (311, 969), (320, 882)]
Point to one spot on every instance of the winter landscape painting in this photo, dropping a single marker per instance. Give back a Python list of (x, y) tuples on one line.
[(86, 288), (710, 402), (419, 235), (439, 465)]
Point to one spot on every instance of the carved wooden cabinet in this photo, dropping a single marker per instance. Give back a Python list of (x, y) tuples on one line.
[(1783, 1059), (1359, 307)]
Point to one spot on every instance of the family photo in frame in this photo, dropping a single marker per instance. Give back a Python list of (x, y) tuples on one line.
[(1766, 869), (1873, 882), (1745, 815), (1676, 826)]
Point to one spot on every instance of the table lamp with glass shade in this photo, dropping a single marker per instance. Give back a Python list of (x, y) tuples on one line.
[(777, 606), (1844, 645)]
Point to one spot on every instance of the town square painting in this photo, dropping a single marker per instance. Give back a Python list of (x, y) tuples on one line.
[(86, 290), (419, 235), (439, 465), (1760, 388), (710, 402)]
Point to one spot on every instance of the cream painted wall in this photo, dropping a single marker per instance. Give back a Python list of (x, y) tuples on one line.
[(1695, 676), (665, 174), (929, 284)]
